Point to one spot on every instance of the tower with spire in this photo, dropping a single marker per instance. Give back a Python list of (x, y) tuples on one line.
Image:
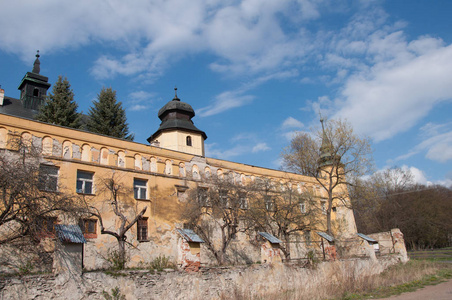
[(33, 87), (177, 131)]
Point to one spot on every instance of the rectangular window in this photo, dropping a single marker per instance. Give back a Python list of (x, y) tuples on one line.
[(203, 197), (48, 178), (84, 182), (88, 226), (302, 207), (270, 203), (140, 188), (142, 229), (243, 201), (307, 237), (224, 199), (47, 224), (323, 206)]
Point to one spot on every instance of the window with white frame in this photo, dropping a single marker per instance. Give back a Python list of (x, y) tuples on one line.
[(203, 197), (140, 188), (243, 201), (84, 182), (48, 178), (224, 199), (302, 207), (269, 203)]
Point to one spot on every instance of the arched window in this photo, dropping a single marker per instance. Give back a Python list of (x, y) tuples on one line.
[(188, 140)]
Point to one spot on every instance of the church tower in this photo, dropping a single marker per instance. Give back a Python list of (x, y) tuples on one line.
[(177, 131), (33, 87)]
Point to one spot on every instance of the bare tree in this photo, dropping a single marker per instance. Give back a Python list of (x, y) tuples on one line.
[(332, 155), (116, 193), (216, 209), (31, 197), (282, 210)]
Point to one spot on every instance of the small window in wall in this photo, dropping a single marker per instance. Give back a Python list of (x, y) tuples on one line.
[(142, 229), (307, 237), (88, 226), (243, 201), (224, 199), (47, 224), (84, 182), (269, 203), (203, 197), (323, 206), (48, 178), (303, 207), (36, 92), (140, 188), (188, 139)]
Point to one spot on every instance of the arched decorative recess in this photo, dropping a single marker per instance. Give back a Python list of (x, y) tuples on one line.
[(27, 139), (3, 137), (195, 172), (220, 173), (182, 170), (121, 159), (242, 179), (208, 172), (104, 156), (168, 167), (86, 152), (47, 145), (153, 164), (138, 162), (67, 149), (145, 163)]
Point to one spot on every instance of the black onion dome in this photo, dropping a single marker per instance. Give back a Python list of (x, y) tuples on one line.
[(176, 115)]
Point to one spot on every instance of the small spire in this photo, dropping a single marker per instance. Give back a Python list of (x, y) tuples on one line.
[(36, 64), (175, 95)]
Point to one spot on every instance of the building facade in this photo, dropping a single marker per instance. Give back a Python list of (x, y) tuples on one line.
[(157, 176)]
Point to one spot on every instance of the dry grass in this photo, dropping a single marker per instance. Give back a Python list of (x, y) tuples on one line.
[(348, 284)]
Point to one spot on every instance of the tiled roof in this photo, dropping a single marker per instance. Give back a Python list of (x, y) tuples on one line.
[(190, 236), (270, 238), (70, 234)]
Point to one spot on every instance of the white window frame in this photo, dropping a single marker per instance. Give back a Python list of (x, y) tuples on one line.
[(48, 181), (85, 182), (140, 186)]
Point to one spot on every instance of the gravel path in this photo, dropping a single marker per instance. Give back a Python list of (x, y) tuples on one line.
[(442, 291)]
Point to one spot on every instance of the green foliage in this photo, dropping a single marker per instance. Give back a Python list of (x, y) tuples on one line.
[(161, 262), (60, 107), (117, 262), (115, 294), (108, 117)]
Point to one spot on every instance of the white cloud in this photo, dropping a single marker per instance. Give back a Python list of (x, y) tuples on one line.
[(291, 122), (260, 147), (138, 107), (437, 143), (392, 99), (223, 102)]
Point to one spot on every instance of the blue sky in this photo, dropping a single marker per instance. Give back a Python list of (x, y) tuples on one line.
[(255, 71)]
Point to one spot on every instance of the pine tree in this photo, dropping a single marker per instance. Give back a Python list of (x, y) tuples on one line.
[(60, 107), (108, 117)]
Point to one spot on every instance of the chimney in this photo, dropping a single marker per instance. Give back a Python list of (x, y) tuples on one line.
[(2, 96)]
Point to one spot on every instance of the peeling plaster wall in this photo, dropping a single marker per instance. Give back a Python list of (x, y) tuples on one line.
[(164, 170), (255, 281)]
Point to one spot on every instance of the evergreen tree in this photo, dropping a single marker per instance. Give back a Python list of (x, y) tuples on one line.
[(60, 107), (108, 117)]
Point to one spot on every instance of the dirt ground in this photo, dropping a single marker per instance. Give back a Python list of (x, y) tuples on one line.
[(442, 291)]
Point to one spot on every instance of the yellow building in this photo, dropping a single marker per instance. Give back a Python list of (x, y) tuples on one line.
[(157, 176)]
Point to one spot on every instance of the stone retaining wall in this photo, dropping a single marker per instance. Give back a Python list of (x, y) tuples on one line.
[(213, 283)]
